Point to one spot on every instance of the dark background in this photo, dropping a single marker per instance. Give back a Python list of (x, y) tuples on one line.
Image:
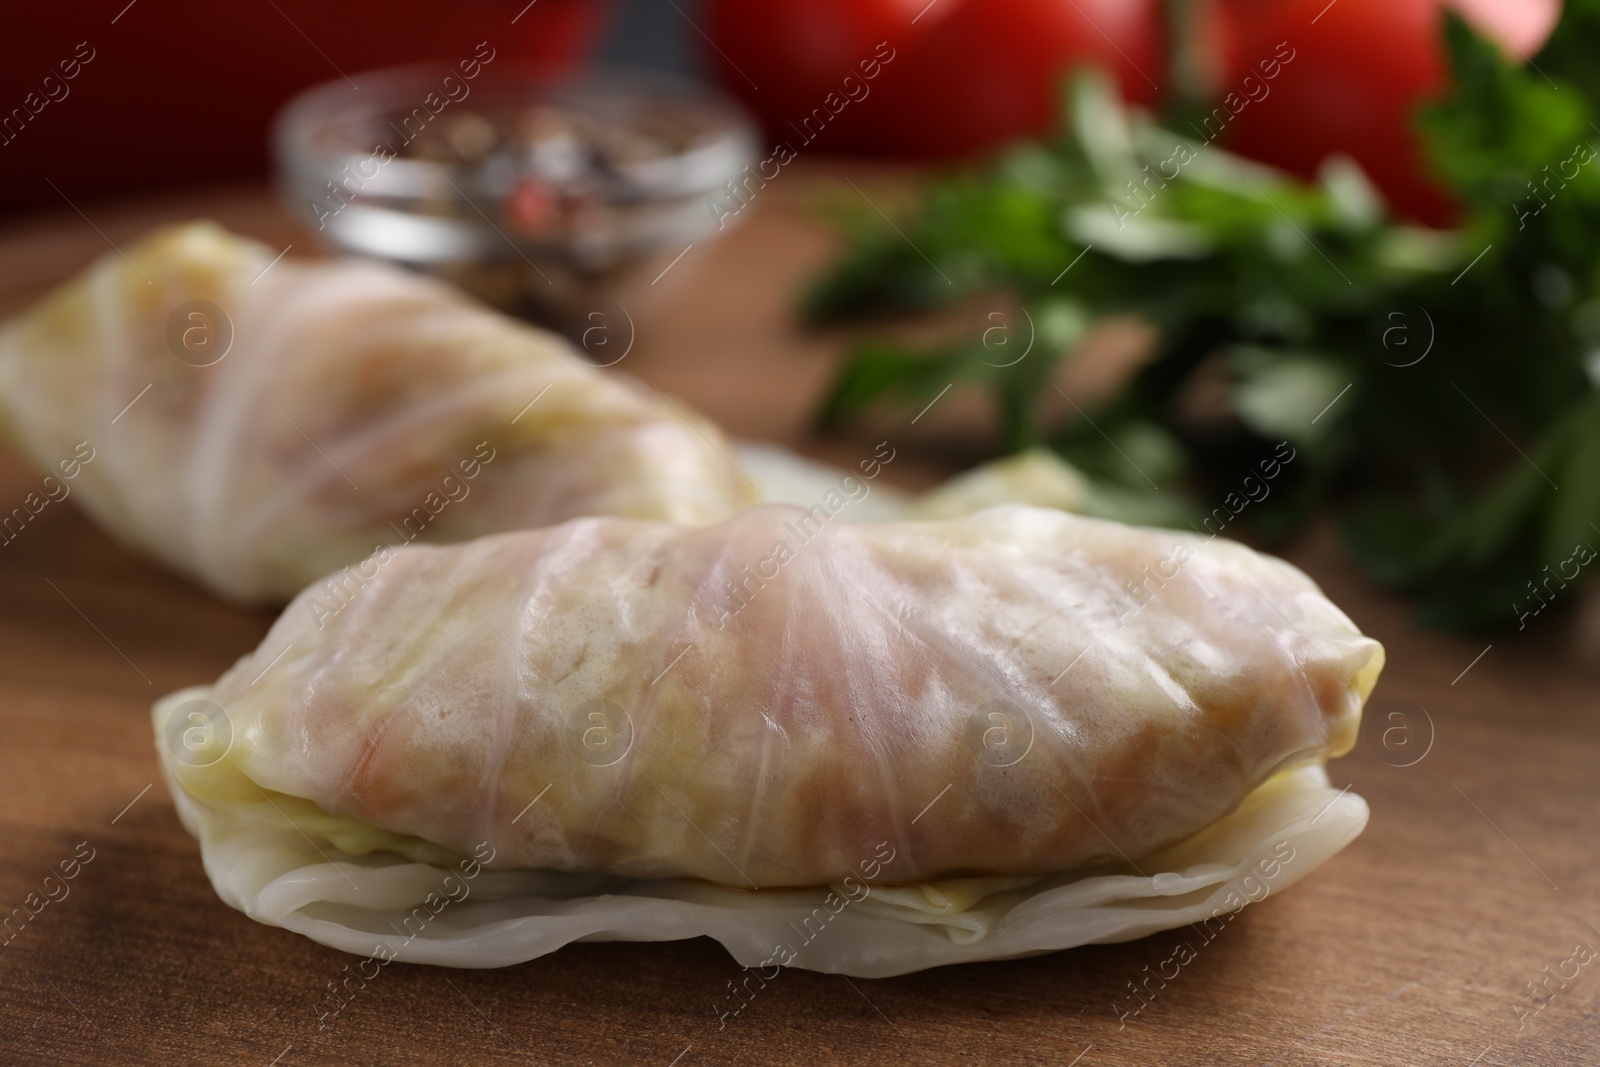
[(649, 33)]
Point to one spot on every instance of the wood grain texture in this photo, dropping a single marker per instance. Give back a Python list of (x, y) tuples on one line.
[(1412, 947)]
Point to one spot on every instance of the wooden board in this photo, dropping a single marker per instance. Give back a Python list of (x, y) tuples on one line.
[(1414, 946)]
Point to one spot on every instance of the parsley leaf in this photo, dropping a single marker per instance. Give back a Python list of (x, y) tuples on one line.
[(1439, 388)]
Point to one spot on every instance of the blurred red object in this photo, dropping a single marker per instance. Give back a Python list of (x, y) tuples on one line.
[(948, 78), (113, 97), (1361, 70)]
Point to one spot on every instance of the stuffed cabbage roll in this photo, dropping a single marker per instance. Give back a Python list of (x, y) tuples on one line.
[(979, 706), (256, 423)]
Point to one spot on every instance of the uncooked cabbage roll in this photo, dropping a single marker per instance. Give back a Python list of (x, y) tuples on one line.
[(1037, 477), (256, 424), (958, 715)]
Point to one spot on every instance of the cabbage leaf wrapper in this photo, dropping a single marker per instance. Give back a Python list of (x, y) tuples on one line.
[(917, 742), (256, 423)]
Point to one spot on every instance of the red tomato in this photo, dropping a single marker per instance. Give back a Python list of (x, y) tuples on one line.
[(783, 59), (1361, 68), (964, 75), (184, 91)]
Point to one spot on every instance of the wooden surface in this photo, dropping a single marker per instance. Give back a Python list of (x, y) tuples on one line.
[(1414, 946)]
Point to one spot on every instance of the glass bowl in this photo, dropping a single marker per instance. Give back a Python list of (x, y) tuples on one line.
[(538, 197)]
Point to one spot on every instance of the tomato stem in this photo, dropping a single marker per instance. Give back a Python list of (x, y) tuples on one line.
[(1192, 69)]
